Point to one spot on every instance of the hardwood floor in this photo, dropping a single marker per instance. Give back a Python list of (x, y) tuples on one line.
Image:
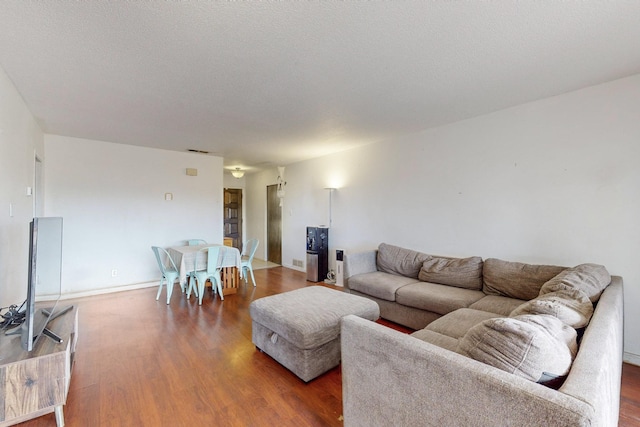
[(141, 362), (630, 396)]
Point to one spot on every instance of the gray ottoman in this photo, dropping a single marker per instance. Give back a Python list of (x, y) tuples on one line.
[(301, 328)]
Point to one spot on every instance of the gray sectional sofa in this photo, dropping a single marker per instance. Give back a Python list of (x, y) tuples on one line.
[(496, 342)]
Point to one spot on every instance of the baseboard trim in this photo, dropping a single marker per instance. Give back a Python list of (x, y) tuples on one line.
[(103, 291), (634, 359), (292, 267)]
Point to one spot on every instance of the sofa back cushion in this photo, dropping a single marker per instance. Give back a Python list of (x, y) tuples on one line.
[(589, 278), (459, 272), (571, 306), (400, 261), (516, 279), (536, 347)]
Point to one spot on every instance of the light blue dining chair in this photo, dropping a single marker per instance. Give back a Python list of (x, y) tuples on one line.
[(212, 273), (195, 242), (169, 272), (248, 251)]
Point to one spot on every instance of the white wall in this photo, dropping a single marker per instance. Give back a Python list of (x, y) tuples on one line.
[(112, 199), (20, 140), (555, 181)]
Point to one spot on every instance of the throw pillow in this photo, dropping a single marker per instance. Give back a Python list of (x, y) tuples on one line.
[(589, 278), (399, 261), (459, 272), (571, 306), (535, 347), (515, 279)]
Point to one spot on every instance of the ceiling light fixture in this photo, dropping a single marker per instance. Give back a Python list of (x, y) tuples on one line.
[(237, 173)]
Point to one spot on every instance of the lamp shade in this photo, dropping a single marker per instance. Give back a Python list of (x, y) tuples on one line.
[(237, 173)]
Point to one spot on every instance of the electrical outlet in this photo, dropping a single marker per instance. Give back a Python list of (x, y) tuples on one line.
[(114, 273)]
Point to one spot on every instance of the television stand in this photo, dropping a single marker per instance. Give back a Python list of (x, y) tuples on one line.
[(60, 312), (46, 332), (47, 312), (44, 371)]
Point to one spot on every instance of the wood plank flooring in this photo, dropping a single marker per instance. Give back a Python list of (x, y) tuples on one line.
[(141, 362), (630, 396)]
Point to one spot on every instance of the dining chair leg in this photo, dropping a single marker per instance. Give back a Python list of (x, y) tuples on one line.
[(190, 288), (252, 276), (246, 270), (220, 292), (218, 280), (200, 291), (169, 290), (159, 290)]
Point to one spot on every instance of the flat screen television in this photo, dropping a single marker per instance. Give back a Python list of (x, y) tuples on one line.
[(44, 280)]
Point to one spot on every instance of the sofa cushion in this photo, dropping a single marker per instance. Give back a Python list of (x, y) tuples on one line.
[(435, 338), (400, 261), (457, 323), (571, 306), (441, 299), (497, 304), (516, 279), (379, 284), (460, 272), (535, 347), (590, 278)]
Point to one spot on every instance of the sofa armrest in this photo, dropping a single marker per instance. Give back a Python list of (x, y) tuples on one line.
[(597, 370), (359, 263), (390, 378)]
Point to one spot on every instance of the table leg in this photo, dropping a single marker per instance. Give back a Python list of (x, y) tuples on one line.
[(59, 416)]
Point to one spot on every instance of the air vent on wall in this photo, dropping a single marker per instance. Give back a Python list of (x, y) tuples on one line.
[(192, 150)]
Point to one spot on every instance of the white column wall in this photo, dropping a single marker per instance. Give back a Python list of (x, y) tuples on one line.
[(112, 199), (20, 140), (555, 181)]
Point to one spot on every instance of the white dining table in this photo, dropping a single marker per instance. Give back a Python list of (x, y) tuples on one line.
[(190, 258)]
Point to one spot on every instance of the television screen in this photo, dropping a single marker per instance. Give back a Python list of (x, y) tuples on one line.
[(44, 279)]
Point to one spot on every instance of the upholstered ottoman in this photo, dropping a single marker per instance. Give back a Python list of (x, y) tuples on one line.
[(301, 328)]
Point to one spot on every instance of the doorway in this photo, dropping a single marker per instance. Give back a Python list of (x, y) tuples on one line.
[(274, 225), (233, 216)]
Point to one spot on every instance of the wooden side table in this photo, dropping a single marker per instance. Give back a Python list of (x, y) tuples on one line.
[(36, 383)]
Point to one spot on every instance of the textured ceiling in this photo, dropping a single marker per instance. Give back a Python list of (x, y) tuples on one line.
[(267, 83)]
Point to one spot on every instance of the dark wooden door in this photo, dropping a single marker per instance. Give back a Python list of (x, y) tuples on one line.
[(233, 216), (274, 225)]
